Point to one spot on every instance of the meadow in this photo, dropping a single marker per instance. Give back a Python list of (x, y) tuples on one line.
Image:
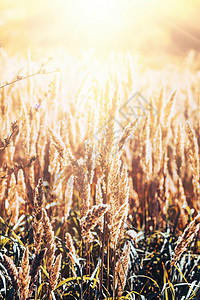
[(100, 178)]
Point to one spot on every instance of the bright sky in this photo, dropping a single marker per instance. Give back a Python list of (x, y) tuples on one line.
[(149, 27)]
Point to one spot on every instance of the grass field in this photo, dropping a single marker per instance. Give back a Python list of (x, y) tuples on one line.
[(100, 175)]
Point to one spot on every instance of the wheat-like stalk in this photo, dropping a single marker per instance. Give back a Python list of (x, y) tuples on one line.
[(121, 269), (48, 237), (82, 184), (68, 196), (12, 271), (117, 223), (128, 130), (35, 266), (168, 108), (194, 157), (158, 152), (24, 277), (55, 272), (99, 200), (21, 185), (12, 201), (58, 143), (179, 150), (70, 247), (39, 200), (38, 207), (186, 238), (91, 219)]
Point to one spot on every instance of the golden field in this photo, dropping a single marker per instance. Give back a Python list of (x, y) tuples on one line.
[(99, 155)]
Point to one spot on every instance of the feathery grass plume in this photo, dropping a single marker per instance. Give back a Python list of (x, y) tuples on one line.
[(39, 199), (153, 111), (158, 150), (79, 132), (123, 198), (186, 238), (109, 136), (121, 269), (118, 191), (58, 143), (54, 274), (48, 236), (124, 186), (127, 132), (71, 132), (179, 150), (41, 144), (68, 196), (99, 200), (53, 160), (130, 73), (38, 207), (121, 228), (194, 157), (12, 201), (90, 153), (35, 266), (81, 182), (169, 185), (24, 137), (59, 192), (102, 106), (181, 193), (12, 271), (116, 225), (90, 220), (107, 139), (21, 185), (31, 177), (147, 159), (24, 277), (70, 247), (113, 183), (167, 110), (37, 230)]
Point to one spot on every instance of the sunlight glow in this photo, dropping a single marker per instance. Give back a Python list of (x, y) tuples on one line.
[(96, 15)]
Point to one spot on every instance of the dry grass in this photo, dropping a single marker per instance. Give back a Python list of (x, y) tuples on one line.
[(87, 213)]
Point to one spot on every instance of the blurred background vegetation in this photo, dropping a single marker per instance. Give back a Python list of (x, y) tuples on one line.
[(157, 31)]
